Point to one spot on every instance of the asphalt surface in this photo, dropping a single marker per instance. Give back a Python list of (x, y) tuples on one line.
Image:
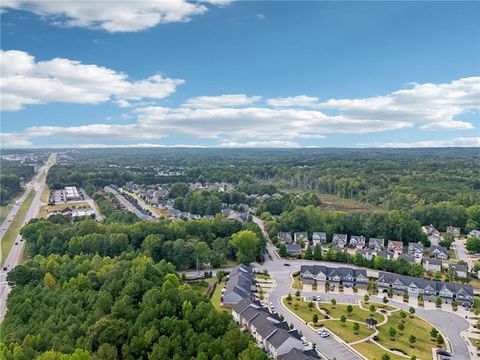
[(451, 324), (15, 254), (462, 253), (127, 204)]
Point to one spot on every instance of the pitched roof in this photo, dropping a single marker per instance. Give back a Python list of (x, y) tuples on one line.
[(432, 261), (278, 338), (297, 354)]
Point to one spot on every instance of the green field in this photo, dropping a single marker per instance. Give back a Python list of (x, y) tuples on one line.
[(15, 226), (357, 314), (216, 296), (302, 309), (374, 352), (419, 328), (378, 305), (4, 211), (346, 332)]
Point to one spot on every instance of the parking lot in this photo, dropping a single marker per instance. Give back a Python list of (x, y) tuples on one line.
[(59, 196)]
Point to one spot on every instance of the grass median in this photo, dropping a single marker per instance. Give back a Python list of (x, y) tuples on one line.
[(15, 226)]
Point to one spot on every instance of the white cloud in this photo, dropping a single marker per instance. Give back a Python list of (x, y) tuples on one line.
[(221, 101), (13, 140), (448, 125), (456, 142), (293, 101), (112, 15), (28, 82)]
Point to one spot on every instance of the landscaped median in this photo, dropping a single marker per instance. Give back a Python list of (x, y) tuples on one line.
[(397, 331), (15, 226)]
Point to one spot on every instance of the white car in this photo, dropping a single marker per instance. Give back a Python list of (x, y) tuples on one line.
[(324, 334)]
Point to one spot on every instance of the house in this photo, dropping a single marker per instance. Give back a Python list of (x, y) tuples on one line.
[(376, 244), (432, 264), (300, 236), (281, 342), (284, 237), (367, 254), (475, 233), (296, 354), (415, 250), (344, 275), (455, 231), (408, 258), (357, 241), (340, 240), (428, 288), (461, 271), (439, 252), (384, 254), (430, 230), (395, 246), (239, 286), (294, 249), (319, 238)]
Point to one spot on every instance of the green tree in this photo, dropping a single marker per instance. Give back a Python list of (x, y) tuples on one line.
[(247, 244), (349, 309), (438, 301), (49, 280), (401, 326), (282, 250), (334, 302), (392, 332), (412, 340), (440, 340), (366, 297), (433, 332), (317, 253), (385, 356), (411, 310), (403, 315), (356, 327), (315, 318), (343, 319)]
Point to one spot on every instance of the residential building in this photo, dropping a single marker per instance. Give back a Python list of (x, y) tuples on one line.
[(408, 258), (344, 275), (395, 246), (455, 231), (384, 254), (239, 286), (296, 354), (340, 240), (430, 230), (294, 249), (428, 288), (376, 244), (461, 271), (284, 237), (475, 233), (319, 238), (432, 264), (357, 241), (439, 252), (366, 253), (415, 250), (300, 236)]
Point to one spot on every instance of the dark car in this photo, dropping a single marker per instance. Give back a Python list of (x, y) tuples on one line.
[(443, 352), (16, 242), (5, 268), (286, 264)]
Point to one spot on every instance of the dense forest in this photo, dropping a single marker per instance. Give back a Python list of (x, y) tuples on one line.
[(127, 307), (13, 173)]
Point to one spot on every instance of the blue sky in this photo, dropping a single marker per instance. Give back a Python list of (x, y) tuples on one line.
[(240, 74)]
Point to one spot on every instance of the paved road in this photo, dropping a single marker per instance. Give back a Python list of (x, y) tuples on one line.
[(128, 205), (451, 324), (13, 212), (462, 253), (15, 254)]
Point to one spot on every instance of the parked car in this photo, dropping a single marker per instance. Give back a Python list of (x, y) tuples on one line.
[(286, 264), (16, 242), (443, 352)]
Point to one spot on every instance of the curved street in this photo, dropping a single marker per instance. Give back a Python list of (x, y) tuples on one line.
[(330, 346)]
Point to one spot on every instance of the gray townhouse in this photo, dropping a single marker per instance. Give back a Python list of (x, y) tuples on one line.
[(428, 288), (340, 240), (432, 264), (270, 333), (285, 237), (239, 286), (357, 241), (294, 249), (319, 238), (341, 275), (461, 270), (415, 250), (408, 258), (376, 244), (300, 236), (475, 233), (439, 252), (366, 253)]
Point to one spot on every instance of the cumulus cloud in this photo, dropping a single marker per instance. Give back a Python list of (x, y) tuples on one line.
[(433, 106), (112, 15), (14, 140), (221, 101), (455, 142), (293, 101), (26, 81)]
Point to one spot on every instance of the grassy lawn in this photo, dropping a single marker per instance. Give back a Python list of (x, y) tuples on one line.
[(357, 314), (45, 210), (216, 297), (474, 282), (4, 211), (475, 342), (15, 226), (379, 305), (374, 352), (417, 327), (300, 308), (296, 283), (45, 195), (262, 277), (476, 302), (336, 203), (346, 332)]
